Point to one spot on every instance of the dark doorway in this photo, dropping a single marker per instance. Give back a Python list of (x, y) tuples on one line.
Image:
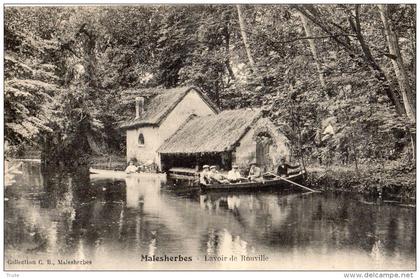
[(264, 142)]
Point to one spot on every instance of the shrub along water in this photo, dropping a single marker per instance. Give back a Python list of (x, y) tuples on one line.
[(396, 181)]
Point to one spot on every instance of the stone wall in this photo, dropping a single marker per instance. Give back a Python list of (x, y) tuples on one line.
[(143, 153), (245, 153)]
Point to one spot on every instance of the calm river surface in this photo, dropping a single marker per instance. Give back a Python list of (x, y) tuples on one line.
[(51, 222)]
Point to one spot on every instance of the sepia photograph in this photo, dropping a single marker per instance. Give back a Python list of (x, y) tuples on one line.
[(210, 137)]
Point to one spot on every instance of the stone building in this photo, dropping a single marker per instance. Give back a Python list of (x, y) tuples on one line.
[(182, 128)]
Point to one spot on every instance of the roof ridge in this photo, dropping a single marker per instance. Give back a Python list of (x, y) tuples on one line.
[(170, 98), (189, 118), (205, 98), (172, 106)]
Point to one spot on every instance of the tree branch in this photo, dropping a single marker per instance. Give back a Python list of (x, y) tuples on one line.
[(310, 16), (313, 38)]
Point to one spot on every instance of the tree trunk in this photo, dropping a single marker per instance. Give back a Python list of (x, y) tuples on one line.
[(312, 46), (245, 39), (400, 72), (398, 65), (413, 144), (413, 42), (366, 56), (380, 73), (226, 32)]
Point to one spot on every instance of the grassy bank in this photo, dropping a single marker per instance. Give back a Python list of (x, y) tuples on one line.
[(393, 181), (109, 162)]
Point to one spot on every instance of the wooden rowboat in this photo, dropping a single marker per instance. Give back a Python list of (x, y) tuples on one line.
[(265, 183), (192, 184)]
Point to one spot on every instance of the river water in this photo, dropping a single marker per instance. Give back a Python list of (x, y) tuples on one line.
[(62, 222)]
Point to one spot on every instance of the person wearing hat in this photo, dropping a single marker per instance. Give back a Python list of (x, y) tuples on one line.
[(215, 176), (283, 168), (254, 172), (204, 175), (234, 175)]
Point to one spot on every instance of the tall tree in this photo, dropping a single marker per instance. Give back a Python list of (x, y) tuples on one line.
[(312, 45), (31, 79), (398, 63), (243, 28), (341, 35)]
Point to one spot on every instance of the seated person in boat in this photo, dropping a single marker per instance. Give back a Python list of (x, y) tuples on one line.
[(254, 172), (215, 176), (131, 168), (204, 175), (234, 175), (283, 168)]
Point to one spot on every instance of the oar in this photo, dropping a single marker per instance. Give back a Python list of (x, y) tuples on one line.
[(294, 183)]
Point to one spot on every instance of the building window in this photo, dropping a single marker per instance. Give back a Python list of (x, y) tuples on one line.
[(141, 139)]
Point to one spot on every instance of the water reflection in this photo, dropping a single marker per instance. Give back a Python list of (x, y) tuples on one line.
[(114, 221), (222, 242)]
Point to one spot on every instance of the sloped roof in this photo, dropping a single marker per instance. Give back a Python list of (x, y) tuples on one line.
[(157, 108), (213, 133)]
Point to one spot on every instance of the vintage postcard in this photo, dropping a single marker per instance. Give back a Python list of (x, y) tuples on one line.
[(210, 137)]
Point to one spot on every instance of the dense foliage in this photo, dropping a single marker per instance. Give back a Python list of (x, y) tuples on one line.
[(339, 79)]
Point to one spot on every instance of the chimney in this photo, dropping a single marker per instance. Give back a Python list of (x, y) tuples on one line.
[(139, 106)]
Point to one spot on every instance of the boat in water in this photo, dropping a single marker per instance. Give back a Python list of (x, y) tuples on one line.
[(266, 182), (181, 179), (188, 179)]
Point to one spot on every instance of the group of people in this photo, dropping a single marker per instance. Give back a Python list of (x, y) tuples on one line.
[(148, 166), (210, 174)]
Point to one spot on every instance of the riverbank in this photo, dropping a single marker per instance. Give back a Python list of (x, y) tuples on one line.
[(109, 162), (394, 181)]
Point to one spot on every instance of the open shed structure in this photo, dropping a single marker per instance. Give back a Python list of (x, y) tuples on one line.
[(230, 137)]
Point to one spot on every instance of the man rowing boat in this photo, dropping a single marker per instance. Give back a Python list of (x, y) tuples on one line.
[(283, 168)]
